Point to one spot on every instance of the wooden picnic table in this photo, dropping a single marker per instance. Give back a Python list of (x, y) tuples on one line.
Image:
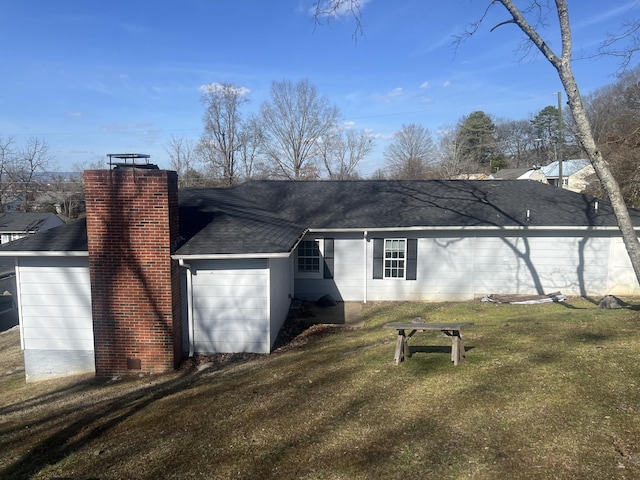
[(419, 325)]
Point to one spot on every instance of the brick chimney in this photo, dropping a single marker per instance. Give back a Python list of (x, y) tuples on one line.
[(132, 229)]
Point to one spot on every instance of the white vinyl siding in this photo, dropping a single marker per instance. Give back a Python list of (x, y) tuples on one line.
[(231, 306), (54, 295), (55, 304), (621, 279), (280, 295), (455, 267), (348, 277)]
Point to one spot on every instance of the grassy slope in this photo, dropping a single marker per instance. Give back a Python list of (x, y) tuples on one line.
[(548, 391)]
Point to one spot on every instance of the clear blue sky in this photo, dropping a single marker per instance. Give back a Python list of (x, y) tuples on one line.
[(99, 77)]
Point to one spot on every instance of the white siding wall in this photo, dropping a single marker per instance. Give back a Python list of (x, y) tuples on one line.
[(466, 267), (622, 279), (348, 281), (280, 296), (231, 306), (55, 316)]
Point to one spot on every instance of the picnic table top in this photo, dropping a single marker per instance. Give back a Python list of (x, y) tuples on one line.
[(427, 326)]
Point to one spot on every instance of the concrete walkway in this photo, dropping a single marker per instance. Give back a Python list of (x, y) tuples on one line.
[(343, 313)]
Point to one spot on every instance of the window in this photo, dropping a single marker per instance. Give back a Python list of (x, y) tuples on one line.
[(314, 258), (309, 257), (394, 258)]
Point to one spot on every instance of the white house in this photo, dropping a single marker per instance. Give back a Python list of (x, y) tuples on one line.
[(244, 252), (576, 174)]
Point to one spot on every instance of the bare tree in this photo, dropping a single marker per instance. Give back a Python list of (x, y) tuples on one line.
[(562, 63), (517, 141), (222, 119), (342, 151), (182, 158), (7, 154), (251, 140), (614, 112), (294, 121), (535, 10), (411, 153), (452, 163), (31, 159), (66, 195)]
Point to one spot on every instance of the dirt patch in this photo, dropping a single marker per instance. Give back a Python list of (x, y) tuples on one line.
[(298, 330)]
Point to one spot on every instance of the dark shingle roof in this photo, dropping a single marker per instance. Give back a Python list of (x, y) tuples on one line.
[(269, 216), (262, 217), (228, 221), (71, 237), (510, 173), (23, 221)]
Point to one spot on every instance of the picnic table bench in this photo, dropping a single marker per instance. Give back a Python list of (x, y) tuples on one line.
[(419, 325)]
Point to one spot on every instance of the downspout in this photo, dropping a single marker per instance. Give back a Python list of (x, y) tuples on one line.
[(19, 301), (189, 304), (364, 256)]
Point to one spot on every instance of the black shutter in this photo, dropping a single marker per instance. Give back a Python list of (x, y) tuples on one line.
[(378, 258), (412, 259), (328, 258)]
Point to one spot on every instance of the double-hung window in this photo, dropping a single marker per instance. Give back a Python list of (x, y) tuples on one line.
[(309, 257), (314, 258), (395, 253), (395, 258)]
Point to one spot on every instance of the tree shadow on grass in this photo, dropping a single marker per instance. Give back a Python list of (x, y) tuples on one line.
[(436, 349), (93, 413), (92, 423)]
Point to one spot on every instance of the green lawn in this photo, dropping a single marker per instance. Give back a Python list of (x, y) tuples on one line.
[(547, 391)]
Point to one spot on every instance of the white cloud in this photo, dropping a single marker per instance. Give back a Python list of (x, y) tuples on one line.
[(425, 85), (389, 96), (446, 84), (219, 87), (74, 114), (604, 14)]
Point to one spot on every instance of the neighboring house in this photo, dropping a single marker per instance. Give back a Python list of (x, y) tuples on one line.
[(533, 173), (575, 174), (11, 203), (149, 278), (15, 225)]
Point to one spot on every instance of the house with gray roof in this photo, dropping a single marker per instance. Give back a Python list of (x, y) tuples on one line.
[(15, 225), (241, 254), (533, 173)]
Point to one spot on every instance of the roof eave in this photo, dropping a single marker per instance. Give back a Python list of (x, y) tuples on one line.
[(42, 253), (466, 228), (227, 256)]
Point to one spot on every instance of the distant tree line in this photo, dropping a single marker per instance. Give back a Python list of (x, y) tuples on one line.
[(297, 134), (26, 183)]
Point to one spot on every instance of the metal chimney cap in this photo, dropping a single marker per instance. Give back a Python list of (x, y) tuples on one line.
[(129, 155), (130, 160)]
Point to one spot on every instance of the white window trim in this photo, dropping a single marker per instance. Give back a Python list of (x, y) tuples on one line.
[(384, 260), (315, 275)]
